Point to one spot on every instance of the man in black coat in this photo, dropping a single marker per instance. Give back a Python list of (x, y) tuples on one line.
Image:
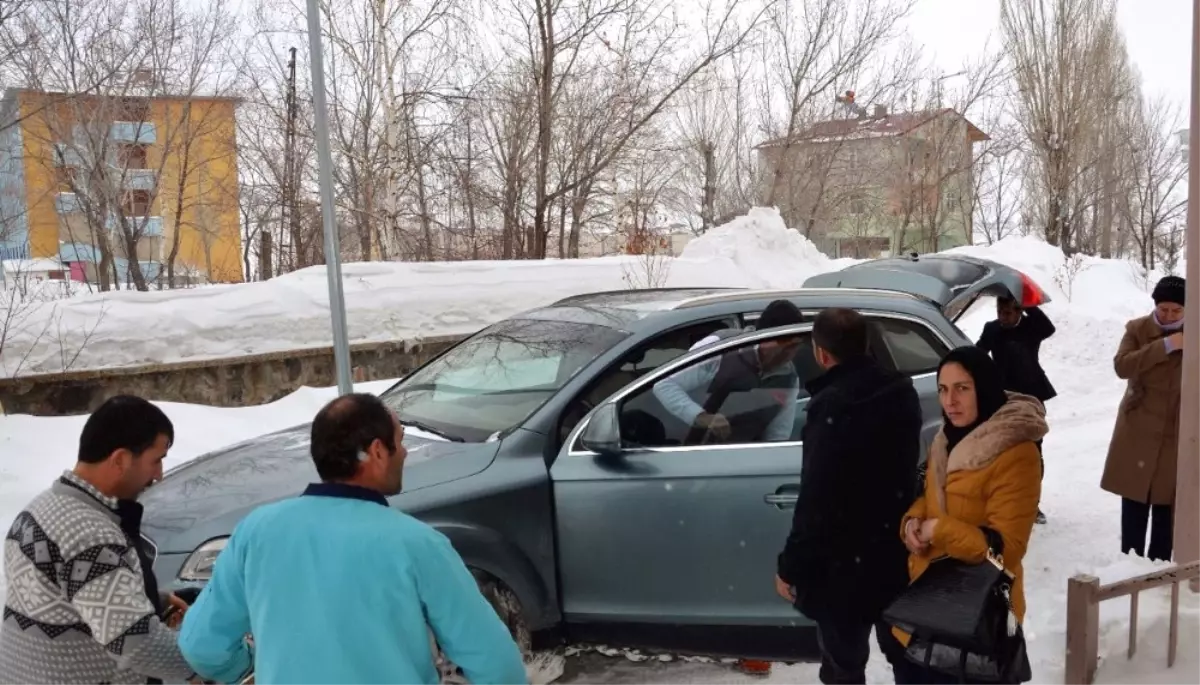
[(1015, 340), (844, 561)]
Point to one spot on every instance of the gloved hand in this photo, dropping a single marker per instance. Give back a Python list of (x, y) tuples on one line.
[(714, 425)]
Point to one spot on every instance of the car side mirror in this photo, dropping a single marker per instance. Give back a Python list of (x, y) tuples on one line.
[(602, 434)]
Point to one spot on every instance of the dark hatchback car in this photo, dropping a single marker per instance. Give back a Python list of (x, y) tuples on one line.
[(521, 453)]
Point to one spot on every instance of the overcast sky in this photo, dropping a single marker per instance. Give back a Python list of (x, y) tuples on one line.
[(1157, 32)]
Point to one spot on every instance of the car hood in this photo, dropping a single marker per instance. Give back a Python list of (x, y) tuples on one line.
[(207, 496)]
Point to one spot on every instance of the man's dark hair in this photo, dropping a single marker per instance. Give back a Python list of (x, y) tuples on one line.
[(779, 313), (840, 332), (1005, 301), (346, 427), (123, 422)]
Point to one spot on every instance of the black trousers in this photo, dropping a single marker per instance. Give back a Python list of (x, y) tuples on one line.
[(846, 648), (1135, 516)]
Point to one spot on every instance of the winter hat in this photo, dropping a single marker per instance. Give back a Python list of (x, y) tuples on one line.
[(1170, 289), (779, 313)]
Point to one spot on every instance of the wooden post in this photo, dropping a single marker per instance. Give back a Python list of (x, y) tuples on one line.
[(1133, 621), (1187, 484), (1083, 629)]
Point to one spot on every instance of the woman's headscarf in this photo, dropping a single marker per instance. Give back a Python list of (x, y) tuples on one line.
[(989, 389)]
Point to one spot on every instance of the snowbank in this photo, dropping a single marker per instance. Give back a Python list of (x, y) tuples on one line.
[(384, 301), (1093, 298), (34, 450), (759, 246)]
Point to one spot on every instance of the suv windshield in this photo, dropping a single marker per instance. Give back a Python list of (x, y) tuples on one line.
[(493, 381)]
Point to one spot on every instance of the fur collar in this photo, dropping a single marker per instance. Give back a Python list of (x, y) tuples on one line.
[(1021, 419)]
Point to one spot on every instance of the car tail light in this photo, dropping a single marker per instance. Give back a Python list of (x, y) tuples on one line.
[(1031, 294)]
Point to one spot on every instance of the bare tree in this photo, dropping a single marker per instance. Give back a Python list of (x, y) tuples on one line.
[(275, 146), (1157, 197), (1060, 51), (712, 120), (101, 148), (996, 185), (933, 195), (636, 46), (813, 49)]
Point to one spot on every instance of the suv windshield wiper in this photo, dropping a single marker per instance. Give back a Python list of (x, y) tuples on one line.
[(428, 429)]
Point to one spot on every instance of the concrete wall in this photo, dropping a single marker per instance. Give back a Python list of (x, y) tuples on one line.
[(235, 382)]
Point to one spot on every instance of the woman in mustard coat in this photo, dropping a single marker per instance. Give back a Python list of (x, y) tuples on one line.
[(983, 470)]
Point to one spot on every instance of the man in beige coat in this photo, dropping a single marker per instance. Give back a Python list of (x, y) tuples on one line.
[(1142, 455)]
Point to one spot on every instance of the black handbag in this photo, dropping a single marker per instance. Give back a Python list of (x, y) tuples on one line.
[(960, 619)]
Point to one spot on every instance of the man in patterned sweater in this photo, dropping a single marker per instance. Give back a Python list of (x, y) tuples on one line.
[(82, 605)]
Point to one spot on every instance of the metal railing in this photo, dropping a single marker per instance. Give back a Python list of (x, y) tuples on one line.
[(1084, 595)]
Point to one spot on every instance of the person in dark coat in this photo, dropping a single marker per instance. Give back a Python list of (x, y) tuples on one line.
[(844, 561), (1015, 340)]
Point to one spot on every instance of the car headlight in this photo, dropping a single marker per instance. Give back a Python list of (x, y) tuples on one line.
[(199, 564)]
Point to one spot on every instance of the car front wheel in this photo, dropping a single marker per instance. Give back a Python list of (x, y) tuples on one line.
[(541, 668)]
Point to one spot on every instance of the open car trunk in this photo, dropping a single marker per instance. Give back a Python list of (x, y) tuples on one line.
[(952, 282)]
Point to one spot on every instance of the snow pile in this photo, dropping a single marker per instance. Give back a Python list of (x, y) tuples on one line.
[(1092, 300), (34, 450), (761, 246), (384, 301)]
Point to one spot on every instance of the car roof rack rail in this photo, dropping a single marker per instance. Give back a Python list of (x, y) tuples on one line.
[(739, 295), (583, 297)]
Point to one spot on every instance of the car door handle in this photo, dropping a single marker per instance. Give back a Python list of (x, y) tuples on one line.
[(783, 498)]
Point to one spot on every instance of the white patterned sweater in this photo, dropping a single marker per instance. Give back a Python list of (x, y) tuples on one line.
[(76, 609)]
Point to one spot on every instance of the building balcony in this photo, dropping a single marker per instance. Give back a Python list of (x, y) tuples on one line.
[(141, 132), (66, 155), (145, 226), (140, 179), (66, 203)]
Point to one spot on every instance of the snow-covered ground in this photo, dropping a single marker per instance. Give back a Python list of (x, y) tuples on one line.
[(384, 301), (1081, 536)]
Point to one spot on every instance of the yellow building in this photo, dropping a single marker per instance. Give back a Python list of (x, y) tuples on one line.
[(104, 183)]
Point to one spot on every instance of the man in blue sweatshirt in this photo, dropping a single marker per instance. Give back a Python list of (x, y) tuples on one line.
[(335, 586)]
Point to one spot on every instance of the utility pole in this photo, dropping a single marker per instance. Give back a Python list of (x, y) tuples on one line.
[(264, 256), (333, 254), (290, 211), (1187, 483)]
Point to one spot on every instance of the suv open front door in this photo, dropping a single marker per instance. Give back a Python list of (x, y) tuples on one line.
[(952, 282)]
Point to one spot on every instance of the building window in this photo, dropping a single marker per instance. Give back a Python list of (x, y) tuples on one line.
[(134, 109), (131, 156), (64, 177), (137, 203), (857, 204), (851, 155)]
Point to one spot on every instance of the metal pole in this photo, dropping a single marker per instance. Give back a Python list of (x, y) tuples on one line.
[(1187, 483), (333, 259)]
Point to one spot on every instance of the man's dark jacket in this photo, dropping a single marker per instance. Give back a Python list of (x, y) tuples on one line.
[(862, 441), (1016, 352)]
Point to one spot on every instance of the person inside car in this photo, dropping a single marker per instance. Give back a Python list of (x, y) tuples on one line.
[(746, 395)]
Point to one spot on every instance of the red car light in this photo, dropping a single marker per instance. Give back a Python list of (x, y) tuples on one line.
[(1031, 294)]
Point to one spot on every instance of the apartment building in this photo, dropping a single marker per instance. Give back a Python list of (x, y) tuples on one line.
[(109, 185), (876, 184)]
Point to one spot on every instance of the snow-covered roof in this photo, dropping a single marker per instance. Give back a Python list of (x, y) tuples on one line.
[(887, 125)]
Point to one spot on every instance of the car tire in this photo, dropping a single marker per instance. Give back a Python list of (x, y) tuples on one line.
[(541, 668)]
